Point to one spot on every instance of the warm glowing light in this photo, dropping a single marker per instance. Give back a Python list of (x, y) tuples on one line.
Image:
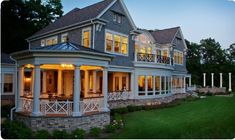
[(67, 65), (27, 79), (29, 66)]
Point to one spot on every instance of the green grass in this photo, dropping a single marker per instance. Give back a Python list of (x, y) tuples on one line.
[(213, 117)]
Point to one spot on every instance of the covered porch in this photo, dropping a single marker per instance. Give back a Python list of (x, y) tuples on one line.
[(62, 83)]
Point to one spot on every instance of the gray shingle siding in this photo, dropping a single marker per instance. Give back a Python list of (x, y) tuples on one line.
[(124, 28)]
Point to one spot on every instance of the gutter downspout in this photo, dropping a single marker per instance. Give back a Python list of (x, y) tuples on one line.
[(93, 38), (16, 79)]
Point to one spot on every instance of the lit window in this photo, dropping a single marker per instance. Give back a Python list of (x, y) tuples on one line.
[(158, 52), (150, 85), (142, 50), (124, 45), (165, 53), (124, 86), (64, 37), (141, 85), (178, 57), (163, 83), (116, 83), (149, 50), (8, 83), (157, 85), (43, 43), (117, 43), (86, 38), (117, 18), (51, 41), (109, 42)]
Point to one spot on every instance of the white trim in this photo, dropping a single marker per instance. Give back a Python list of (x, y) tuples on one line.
[(3, 81), (179, 30), (121, 35), (85, 30)]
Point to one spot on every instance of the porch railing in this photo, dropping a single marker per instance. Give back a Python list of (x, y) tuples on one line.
[(91, 105), (144, 57), (56, 107), (177, 90), (191, 88), (115, 96), (27, 104)]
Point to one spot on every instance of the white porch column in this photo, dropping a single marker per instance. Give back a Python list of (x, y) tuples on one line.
[(190, 81), (132, 80), (20, 88), (59, 82), (146, 85), (212, 79), (171, 85), (105, 89), (32, 81), (184, 85), (204, 79), (230, 82), (154, 83), (86, 88), (37, 84), (44, 83), (94, 81), (77, 92), (221, 80)]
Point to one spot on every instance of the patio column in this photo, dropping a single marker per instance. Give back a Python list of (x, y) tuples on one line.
[(221, 80), (105, 89), (204, 79), (184, 85), (132, 83), (20, 88), (37, 84), (94, 81), (86, 83), (212, 79), (77, 91), (44, 83), (59, 82), (190, 81), (32, 82), (171, 85), (230, 82)]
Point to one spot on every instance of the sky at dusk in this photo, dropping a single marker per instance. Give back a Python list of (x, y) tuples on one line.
[(199, 19)]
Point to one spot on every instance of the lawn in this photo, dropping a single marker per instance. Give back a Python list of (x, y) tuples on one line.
[(213, 117)]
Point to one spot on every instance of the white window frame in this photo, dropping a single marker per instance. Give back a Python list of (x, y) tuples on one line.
[(121, 35), (62, 35), (182, 57), (50, 38), (85, 30), (13, 83)]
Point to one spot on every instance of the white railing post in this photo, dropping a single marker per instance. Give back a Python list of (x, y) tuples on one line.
[(212, 79), (221, 80), (204, 79), (230, 82)]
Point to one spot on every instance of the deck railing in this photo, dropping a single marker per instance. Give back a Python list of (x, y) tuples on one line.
[(27, 104), (120, 95), (144, 57), (91, 105), (178, 90)]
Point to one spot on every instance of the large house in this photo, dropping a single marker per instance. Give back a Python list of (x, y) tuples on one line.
[(77, 67)]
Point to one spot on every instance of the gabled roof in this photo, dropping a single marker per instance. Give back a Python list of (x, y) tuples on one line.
[(6, 59), (164, 36), (76, 16)]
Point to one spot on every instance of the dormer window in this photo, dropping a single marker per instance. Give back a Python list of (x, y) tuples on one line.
[(86, 37), (117, 18), (49, 41), (64, 37)]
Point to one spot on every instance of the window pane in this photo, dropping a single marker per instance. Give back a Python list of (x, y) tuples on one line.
[(149, 50), (157, 84), (86, 39), (8, 83), (119, 19), (109, 42), (124, 45), (64, 37), (165, 53), (142, 50), (116, 83), (167, 84), (163, 84), (124, 83), (150, 85), (141, 83), (117, 43)]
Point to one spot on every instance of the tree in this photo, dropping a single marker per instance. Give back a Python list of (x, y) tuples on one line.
[(231, 53), (21, 19)]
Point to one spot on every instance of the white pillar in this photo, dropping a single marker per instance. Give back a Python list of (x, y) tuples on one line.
[(94, 81), (160, 85), (32, 81), (146, 85), (165, 84), (184, 85), (204, 79), (171, 85), (20, 88), (86, 83), (77, 92), (59, 82), (230, 82), (37, 84), (221, 80), (212, 79), (105, 89), (190, 81), (44, 83), (154, 83), (132, 80)]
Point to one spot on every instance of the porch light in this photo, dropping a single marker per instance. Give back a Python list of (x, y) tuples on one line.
[(67, 65), (29, 66), (27, 79)]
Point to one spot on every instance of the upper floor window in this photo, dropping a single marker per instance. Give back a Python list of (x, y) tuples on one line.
[(178, 57), (117, 18), (142, 44), (49, 41), (165, 53), (116, 43), (64, 37), (86, 37)]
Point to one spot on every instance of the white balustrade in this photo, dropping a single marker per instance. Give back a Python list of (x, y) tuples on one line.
[(91, 105), (115, 96), (56, 107), (27, 104)]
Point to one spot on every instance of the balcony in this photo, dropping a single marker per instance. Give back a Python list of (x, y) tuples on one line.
[(152, 58)]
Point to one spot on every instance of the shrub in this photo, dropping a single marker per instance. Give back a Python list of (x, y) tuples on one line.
[(209, 94), (42, 134), (95, 132), (134, 108), (109, 128), (119, 111), (60, 134), (5, 110), (15, 130), (78, 134)]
